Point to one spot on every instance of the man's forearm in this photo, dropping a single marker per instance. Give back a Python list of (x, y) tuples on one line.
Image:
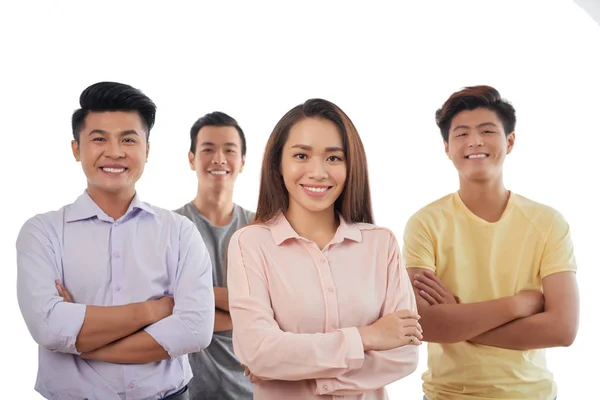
[(221, 298), (139, 348), (452, 323), (104, 325), (222, 321), (538, 331)]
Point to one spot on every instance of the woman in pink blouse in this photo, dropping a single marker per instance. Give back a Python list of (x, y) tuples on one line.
[(321, 305)]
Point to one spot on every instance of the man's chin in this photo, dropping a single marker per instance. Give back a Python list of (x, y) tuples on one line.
[(113, 189)]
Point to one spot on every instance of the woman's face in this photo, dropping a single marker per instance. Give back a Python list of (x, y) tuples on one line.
[(313, 165)]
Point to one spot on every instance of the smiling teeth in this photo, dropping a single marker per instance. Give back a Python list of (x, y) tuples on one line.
[(113, 170), (478, 156), (315, 190), (218, 172)]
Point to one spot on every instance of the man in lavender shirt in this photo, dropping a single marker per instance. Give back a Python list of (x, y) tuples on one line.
[(139, 278)]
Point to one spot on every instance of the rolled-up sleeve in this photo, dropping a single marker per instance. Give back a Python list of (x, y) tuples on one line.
[(53, 323), (189, 329), (381, 368), (259, 342)]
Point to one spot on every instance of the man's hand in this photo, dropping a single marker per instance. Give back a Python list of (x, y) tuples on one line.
[(529, 302), (253, 378), (432, 289), (62, 292), (161, 308)]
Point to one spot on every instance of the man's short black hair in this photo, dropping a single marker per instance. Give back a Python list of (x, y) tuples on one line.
[(113, 96)]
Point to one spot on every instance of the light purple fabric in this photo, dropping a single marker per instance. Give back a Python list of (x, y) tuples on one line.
[(147, 253)]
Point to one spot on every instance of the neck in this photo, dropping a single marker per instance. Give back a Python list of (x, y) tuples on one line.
[(115, 205), (486, 199), (319, 227), (216, 206)]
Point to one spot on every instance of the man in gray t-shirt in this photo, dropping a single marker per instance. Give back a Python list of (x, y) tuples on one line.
[(217, 154)]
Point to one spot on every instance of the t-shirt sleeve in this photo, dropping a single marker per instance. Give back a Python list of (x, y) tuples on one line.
[(559, 255), (418, 250)]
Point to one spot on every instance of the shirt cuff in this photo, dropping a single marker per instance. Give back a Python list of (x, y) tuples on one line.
[(354, 345), (355, 358), (66, 320), (174, 336)]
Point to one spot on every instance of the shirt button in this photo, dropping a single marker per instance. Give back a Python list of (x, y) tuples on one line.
[(325, 388), (323, 260), (131, 385), (118, 288), (117, 254), (330, 290)]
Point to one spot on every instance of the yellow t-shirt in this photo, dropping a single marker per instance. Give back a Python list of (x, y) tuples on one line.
[(478, 261)]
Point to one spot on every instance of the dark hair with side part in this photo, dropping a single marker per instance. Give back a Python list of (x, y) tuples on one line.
[(216, 118), (113, 96), (354, 203), (470, 98)]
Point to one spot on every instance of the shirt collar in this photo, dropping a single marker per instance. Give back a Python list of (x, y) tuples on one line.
[(84, 208), (281, 230)]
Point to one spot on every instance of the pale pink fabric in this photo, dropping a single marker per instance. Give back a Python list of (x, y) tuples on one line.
[(295, 310)]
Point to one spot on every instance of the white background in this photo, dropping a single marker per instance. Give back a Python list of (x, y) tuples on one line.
[(389, 65)]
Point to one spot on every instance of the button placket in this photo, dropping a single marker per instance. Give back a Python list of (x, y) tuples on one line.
[(332, 322), (116, 262)]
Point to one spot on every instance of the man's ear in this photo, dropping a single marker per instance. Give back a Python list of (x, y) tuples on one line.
[(75, 150)]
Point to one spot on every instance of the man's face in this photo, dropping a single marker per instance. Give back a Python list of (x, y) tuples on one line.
[(477, 144), (218, 159), (113, 150)]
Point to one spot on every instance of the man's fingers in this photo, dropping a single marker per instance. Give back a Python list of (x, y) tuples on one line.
[(428, 298), (63, 292), (434, 278), (432, 288), (437, 281), (424, 280), (439, 297)]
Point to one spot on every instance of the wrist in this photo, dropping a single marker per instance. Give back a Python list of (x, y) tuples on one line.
[(145, 313), (366, 336), (515, 307)]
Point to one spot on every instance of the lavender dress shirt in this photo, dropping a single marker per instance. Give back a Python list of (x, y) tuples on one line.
[(147, 253)]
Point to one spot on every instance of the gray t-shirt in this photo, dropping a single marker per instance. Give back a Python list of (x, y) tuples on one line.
[(218, 374)]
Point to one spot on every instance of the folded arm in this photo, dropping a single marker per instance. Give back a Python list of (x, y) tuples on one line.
[(555, 326), (259, 342), (448, 323), (222, 317), (139, 348), (558, 323), (452, 323), (381, 368), (221, 298), (222, 321), (189, 329), (53, 323)]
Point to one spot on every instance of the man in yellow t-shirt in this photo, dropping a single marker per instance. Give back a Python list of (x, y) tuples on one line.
[(480, 260)]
